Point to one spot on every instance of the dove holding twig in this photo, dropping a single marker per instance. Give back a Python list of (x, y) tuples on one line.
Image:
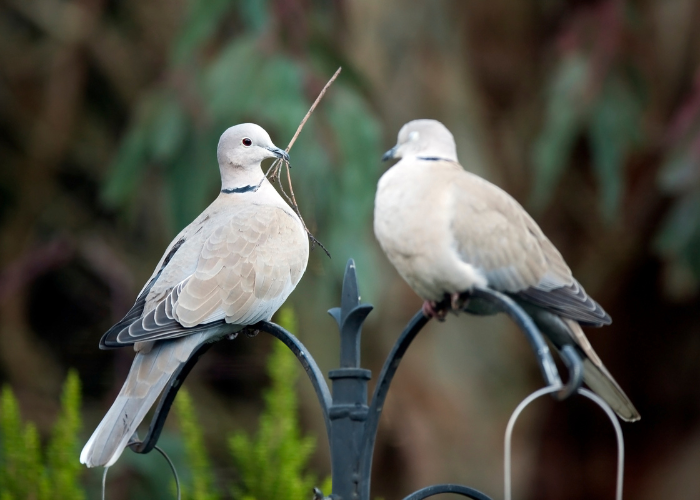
[(233, 266)]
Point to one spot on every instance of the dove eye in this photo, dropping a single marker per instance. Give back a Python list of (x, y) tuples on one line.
[(246, 142)]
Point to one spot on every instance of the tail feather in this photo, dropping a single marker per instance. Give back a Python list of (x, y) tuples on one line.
[(598, 378), (562, 332), (602, 383), (149, 374)]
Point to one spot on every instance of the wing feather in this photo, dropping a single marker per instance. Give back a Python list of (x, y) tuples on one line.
[(511, 250), (245, 268)]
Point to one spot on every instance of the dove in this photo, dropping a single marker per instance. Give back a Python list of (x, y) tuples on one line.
[(233, 266), (447, 231)]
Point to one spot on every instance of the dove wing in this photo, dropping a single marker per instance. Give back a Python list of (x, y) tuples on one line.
[(239, 272), (494, 233)]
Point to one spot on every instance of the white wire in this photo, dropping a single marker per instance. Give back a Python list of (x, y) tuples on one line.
[(618, 432), (548, 390), (104, 483), (509, 433)]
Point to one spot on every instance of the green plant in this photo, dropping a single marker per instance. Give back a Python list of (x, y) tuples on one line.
[(24, 473), (273, 462), (202, 484)]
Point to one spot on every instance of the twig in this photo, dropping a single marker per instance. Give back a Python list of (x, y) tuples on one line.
[(296, 207), (311, 109), (274, 171)]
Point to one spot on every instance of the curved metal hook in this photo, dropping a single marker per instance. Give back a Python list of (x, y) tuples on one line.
[(166, 401), (172, 468), (509, 434), (438, 489), (382, 388), (170, 463), (575, 366), (503, 303), (548, 390), (307, 362), (525, 323), (618, 434)]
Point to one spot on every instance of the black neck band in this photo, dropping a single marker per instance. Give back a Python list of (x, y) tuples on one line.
[(432, 158), (244, 189)]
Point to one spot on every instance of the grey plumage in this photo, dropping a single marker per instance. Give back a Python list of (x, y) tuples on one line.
[(447, 230), (234, 265)]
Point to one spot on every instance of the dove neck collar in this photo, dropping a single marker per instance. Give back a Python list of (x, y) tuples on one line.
[(244, 189), (434, 158)]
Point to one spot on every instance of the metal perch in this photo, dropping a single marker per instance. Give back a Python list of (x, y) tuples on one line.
[(351, 423)]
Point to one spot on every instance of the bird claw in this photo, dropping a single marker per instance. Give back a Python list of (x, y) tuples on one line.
[(458, 301), (251, 332), (432, 309), (454, 303)]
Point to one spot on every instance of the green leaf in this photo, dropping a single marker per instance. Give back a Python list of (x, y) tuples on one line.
[(126, 172), (680, 226), (202, 485), (193, 178), (12, 442), (271, 463), (169, 130), (356, 134), (563, 124), (613, 130), (202, 20), (679, 173), (229, 82), (254, 14), (63, 467)]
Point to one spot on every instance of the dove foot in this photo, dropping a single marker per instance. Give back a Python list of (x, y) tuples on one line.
[(432, 309), (251, 332), (453, 303), (459, 301)]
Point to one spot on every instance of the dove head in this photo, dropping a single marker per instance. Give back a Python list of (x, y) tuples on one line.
[(240, 151), (423, 139)]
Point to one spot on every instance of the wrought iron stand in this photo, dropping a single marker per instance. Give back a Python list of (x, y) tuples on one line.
[(351, 423)]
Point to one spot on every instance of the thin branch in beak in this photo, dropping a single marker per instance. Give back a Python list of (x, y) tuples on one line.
[(274, 172)]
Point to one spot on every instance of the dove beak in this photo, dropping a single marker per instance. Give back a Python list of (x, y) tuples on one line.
[(279, 153), (390, 154)]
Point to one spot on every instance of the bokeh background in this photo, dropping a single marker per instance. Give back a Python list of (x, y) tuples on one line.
[(588, 112)]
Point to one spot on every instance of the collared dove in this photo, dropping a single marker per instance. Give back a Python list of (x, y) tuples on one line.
[(446, 230), (233, 266)]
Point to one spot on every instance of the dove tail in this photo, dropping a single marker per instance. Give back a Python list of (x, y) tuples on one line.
[(149, 374), (598, 378), (602, 383)]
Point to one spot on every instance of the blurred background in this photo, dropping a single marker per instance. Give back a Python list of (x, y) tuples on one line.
[(587, 112)]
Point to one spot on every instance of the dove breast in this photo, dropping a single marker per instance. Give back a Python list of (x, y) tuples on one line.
[(447, 230), (413, 224)]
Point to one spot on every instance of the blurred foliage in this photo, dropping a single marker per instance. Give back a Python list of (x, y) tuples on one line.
[(606, 91), (679, 238), (24, 473), (597, 92), (272, 463), (216, 81), (202, 483), (599, 100)]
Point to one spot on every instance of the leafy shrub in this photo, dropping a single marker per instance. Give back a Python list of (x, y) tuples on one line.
[(27, 474), (273, 462)]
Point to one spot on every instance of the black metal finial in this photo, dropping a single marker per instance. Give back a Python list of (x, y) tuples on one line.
[(350, 316)]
